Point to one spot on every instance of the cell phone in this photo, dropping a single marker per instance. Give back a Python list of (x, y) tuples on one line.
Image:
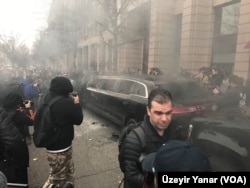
[(74, 93)]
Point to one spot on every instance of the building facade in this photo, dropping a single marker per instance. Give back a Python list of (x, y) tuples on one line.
[(168, 35)]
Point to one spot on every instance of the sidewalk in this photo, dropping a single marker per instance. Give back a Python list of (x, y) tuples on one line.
[(94, 153)]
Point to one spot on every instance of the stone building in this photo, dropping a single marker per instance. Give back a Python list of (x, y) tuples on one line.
[(164, 34)]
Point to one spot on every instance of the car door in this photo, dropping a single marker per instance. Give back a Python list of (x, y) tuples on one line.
[(90, 93), (128, 101), (96, 94), (105, 96)]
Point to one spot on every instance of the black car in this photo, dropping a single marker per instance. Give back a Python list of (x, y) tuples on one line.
[(224, 141), (123, 99)]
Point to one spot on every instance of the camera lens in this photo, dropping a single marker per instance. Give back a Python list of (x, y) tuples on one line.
[(74, 93)]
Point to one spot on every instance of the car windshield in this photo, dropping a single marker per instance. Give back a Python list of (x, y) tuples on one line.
[(186, 92)]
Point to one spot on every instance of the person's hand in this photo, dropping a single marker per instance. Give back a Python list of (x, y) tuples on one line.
[(27, 104), (216, 91), (76, 99)]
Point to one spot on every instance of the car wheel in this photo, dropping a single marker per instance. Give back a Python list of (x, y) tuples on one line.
[(131, 121)]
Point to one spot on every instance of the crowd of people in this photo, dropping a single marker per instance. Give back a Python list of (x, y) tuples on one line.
[(227, 90), (20, 98)]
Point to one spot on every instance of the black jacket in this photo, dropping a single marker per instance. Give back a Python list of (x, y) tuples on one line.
[(230, 98), (215, 80), (12, 144), (132, 150), (65, 114), (20, 119), (229, 102)]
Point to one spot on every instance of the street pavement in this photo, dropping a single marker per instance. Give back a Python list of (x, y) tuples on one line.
[(95, 153)]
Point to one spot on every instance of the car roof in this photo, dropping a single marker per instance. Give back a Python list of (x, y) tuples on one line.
[(148, 78), (140, 79), (183, 90)]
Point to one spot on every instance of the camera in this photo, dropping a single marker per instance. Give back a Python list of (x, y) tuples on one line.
[(74, 93), (26, 102)]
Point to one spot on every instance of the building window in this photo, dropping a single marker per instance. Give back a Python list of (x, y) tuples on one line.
[(230, 19), (225, 35), (227, 19)]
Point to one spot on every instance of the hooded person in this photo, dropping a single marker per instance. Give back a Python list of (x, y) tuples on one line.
[(65, 113), (12, 100), (14, 153), (175, 156), (19, 114)]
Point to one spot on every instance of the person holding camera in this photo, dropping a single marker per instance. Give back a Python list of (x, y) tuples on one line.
[(66, 113), (14, 149), (19, 113)]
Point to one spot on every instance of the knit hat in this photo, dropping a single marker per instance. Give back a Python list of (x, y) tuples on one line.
[(12, 100), (175, 155), (61, 85)]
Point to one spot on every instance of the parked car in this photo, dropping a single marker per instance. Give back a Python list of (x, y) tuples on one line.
[(123, 99), (225, 142)]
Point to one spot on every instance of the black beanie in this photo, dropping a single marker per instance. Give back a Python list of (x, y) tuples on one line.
[(61, 86), (12, 100)]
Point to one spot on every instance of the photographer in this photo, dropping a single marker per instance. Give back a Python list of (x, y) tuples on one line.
[(65, 113), (19, 113), (18, 156)]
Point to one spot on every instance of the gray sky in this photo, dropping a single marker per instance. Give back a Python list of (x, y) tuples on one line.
[(23, 18)]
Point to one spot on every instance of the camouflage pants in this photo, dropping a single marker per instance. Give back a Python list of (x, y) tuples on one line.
[(61, 169)]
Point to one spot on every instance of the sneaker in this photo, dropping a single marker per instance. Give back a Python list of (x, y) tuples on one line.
[(68, 185), (52, 186)]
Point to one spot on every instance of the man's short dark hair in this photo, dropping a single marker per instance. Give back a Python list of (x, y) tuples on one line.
[(160, 96)]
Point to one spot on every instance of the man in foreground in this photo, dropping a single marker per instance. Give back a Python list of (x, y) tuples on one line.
[(65, 113), (157, 131)]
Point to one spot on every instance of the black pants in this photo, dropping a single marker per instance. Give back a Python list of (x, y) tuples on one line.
[(14, 173), (21, 175)]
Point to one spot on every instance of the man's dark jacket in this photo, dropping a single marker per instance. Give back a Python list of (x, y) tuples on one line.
[(12, 144), (65, 114), (228, 102), (132, 150)]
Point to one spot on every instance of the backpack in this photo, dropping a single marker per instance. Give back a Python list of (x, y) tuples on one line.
[(139, 132), (44, 128)]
